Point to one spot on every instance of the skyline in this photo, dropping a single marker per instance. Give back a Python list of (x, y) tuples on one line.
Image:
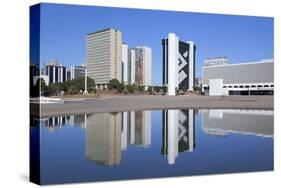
[(63, 34)]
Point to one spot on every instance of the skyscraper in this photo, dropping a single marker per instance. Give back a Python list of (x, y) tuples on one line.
[(125, 65), (140, 65), (104, 56), (178, 64)]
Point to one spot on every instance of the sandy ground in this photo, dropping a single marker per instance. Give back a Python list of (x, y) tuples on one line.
[(129, 103)]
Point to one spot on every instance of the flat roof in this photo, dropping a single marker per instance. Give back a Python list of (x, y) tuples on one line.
[(102, 31), (237, 64)]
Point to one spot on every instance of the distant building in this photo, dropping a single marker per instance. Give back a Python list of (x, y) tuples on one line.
[(74, 72), (216, 61), (125, 65), (104, 56), (254, 78), (198, 82), (178, 64), (55, 71)]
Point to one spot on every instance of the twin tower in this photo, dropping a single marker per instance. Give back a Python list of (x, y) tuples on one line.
[(178, 64)]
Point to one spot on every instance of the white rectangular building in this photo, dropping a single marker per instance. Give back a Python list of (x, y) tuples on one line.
[(254, 78)]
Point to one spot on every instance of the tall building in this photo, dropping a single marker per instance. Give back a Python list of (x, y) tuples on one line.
[(254, 78), (125, 65), (104, 56), (178, 64), (55, 71), (75, 72), (139, 66), (132, 65)]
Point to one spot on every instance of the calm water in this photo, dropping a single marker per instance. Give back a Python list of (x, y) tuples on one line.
[(144, 144)]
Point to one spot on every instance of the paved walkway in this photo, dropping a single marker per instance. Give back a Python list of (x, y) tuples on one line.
[(130, 102)]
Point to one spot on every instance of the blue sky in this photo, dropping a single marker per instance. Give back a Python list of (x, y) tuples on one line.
[(240, 38)]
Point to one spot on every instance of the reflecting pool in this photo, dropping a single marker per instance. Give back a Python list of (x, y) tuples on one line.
[(145, 144)]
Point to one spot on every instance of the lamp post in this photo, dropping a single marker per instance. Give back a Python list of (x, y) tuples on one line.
[(85, 90)]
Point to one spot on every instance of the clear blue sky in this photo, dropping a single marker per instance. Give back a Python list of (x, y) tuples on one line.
[(241, 38)]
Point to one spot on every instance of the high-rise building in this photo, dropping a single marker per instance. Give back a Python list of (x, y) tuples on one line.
[(125, 65), (140, 65), (104, 56), (75, 72), (178, 64), (55, 71)]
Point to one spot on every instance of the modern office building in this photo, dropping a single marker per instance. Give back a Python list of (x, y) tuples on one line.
[(55, 71), (178, 64), (75, 72), (254, 78), (131, 65), (125, 65), (178, 133), (104, 56), (223, 122), (139, 66)]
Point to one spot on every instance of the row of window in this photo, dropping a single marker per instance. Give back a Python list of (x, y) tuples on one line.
[(247, 86)]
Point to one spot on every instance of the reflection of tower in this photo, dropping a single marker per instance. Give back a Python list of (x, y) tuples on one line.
[(143, 128), (178, 133), (136, 128), (103, 138)]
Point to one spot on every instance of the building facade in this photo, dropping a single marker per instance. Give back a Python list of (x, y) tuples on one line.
[(55, 71), (104, 56), (125, 65), (178, 64), (75, 72), (254, 78), (142, 65)]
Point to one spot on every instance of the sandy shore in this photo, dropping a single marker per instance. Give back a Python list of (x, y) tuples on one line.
[(129, 103)]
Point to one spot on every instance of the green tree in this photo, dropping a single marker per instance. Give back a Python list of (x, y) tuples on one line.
[(115, 84), (131, 88)]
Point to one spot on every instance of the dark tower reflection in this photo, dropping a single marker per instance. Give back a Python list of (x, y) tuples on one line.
[(178, 133)]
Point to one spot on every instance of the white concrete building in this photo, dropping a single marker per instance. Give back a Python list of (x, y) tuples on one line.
[(125, 65), (253, 78), (104, 56)]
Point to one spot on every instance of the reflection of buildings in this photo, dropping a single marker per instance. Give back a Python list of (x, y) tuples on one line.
[(53, 123), (178, 133), (222, 122), (136, 128), (103, 138)]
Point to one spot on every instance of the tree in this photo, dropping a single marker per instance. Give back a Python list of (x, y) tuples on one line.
[(131, 88), (115, 84)]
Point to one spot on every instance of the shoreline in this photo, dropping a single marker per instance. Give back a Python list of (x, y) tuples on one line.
[(137, 102)]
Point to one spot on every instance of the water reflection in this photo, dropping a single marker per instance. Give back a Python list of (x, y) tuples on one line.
[(108, 134), (223, 122), (178, 133)]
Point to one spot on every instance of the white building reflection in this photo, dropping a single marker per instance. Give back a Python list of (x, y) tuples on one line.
[(223, 122), (178, 133), (54, 123)]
